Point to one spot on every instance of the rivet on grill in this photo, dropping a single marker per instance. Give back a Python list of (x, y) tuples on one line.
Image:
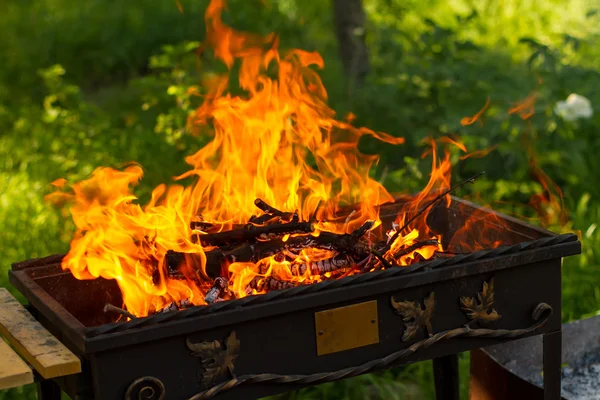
[(320, 333), (372, 321)]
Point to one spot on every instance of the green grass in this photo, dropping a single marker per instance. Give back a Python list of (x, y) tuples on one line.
[(85, 84)]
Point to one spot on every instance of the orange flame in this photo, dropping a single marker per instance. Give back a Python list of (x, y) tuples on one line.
[(471, 120), (549, 205), (279, 142), (479, 153), (525, 108), (179, 6)]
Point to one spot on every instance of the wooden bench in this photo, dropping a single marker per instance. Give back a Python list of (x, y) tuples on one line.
[(42, 352)]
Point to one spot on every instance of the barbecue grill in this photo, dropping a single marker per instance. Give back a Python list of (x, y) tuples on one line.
[(285, 340)]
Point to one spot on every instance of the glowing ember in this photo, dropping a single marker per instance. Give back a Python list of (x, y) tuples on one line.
[(281, 143)]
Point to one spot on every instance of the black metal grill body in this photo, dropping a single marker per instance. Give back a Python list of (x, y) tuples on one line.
[(277, 333)]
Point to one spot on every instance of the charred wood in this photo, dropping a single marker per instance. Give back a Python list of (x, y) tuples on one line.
[(260, 283), (268, 209), (215, 291), (271, 213), (429, 205), (209, 227), (114, 309), (342, 243), (173, 261), (381, 259), (201, 226), (360, 232), (415, 246), (349, 244), (175, 306), (185, 303), (252, 232), (172, 306), (189, 266), (264, 219), (403, 252), (198, 223), (321, 267)]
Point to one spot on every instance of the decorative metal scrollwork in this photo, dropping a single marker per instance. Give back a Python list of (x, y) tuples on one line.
[(414, 316), (541, 315), (480, 309), (217, 358), (146, 388)]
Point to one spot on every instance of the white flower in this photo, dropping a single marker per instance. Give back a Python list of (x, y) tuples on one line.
[(574, 108)]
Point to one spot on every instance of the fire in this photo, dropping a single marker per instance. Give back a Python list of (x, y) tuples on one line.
[(471, 120), (525, 108), (549, 205), (279, 142)]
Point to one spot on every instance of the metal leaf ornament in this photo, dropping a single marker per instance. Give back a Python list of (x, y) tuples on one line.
[(480, 308), (216, 359), (414, 316)]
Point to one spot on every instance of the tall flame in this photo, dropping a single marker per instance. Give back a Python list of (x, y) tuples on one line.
[(279, 142), (262, 141), (549, 205)]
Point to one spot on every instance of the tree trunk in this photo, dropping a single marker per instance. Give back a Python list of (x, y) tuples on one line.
[(349, 19)]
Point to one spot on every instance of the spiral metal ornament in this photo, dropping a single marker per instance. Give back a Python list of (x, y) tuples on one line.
[(146, 388)]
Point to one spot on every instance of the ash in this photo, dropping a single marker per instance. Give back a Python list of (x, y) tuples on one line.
[(581, 381)]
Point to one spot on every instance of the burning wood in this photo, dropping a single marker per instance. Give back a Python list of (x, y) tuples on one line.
[(283, 242), (428, 206), (175, 306), (172, 306), (215, 291), (282, 238), (209, 227), (271, 213), (322, 266), (185, 303), (173, 262), (262, 283), (114, 309), (252, 232), (201, 226), (250, 248), (412, 248)]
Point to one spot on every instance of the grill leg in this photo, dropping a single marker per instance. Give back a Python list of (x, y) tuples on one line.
[(552, 365), (48, 390), (445, 374)]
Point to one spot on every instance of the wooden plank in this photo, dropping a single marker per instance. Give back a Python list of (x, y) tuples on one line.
[(35, 344), (13, 371)]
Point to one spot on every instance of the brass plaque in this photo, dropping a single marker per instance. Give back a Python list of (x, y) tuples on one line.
[(346, 328)]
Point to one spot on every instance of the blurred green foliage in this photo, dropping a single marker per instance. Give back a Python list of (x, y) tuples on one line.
[(86, 84)]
